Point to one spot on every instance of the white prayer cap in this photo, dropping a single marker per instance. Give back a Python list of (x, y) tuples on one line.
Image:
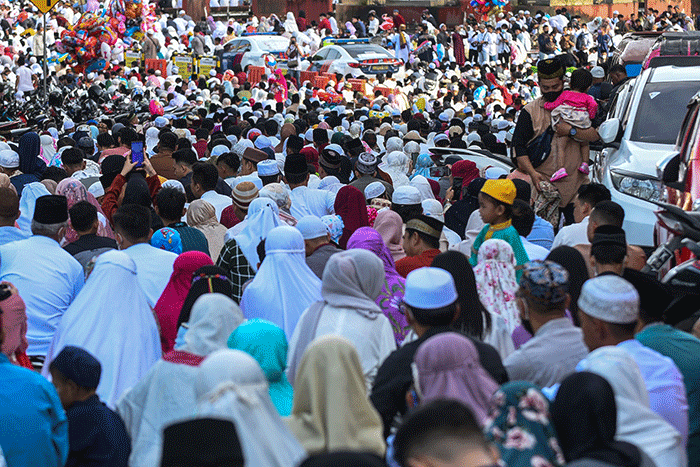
[(174, 184), (473, 136), (610, 298), (309, 135), (598, 72), (429, 289), (160, 122), (406, 194), (374, 189), (96, 189), (262, 141), (311, 227), (68, 124), (218, 150), (9, 159), (433, 208), (267, 168)]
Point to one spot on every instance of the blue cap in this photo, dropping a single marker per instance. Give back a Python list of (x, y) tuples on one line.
[(78, 365)]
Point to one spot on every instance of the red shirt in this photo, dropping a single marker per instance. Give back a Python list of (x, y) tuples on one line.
[(398, 20), (201, 148), (411, 263), (325, 24)]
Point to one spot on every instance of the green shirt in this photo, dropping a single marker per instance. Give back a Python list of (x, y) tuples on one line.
[(684, 350)]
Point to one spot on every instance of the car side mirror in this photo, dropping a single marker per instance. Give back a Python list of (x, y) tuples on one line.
[(668, 170), (609, 129)]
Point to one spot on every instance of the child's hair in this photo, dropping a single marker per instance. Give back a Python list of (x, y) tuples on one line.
[(508, 208), (581, 80)]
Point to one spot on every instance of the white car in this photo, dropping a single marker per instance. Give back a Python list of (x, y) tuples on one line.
[(641, 130), (357, 57), (254, 48)]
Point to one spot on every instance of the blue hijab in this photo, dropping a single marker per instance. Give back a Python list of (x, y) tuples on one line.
[(267, 344)]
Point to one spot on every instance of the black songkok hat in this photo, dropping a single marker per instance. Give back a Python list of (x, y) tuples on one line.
[(51, 209), (79, 366), (295, 164), (549, 68)]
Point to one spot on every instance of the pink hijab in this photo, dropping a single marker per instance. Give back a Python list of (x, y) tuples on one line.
[(75, 191), (390, 226), (170, 303), (14, 325), (447, 366)]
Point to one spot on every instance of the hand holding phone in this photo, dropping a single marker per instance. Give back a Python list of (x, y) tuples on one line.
[(137, 153)]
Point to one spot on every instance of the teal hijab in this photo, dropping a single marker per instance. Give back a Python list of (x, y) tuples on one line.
[(519, 424), (267, 344)]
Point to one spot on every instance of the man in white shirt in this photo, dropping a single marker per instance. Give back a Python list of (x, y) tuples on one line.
[(492, 43), (305, 201), (204, 179), (586, 199), (249, 168), (46, 276), (132, 228), (24, 77), (334, 23)]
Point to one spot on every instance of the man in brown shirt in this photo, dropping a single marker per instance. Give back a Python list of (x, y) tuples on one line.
[(163, 161)]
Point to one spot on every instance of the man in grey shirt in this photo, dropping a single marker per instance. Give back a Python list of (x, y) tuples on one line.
[(317, 241), (557, 345)]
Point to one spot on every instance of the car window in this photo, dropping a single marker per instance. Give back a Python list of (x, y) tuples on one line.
[(333, 55), (234, 45), (661, 110), (688, 137), (244, 47), (320, 55)]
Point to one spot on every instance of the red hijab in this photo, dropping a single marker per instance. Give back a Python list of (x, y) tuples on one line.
[(351, 206), (170, 302), (466, 170)]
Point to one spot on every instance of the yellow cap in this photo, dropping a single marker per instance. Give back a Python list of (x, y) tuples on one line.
[(502, 190)]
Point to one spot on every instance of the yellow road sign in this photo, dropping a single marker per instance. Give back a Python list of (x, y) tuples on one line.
[(44, 6)]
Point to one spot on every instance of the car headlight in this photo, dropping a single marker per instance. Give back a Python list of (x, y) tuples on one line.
[(637, 185)]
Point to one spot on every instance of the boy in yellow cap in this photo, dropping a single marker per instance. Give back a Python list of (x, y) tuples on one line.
[(495, 206)]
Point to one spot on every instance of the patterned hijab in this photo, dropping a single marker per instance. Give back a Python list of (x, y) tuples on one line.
[(495, 281), (519, 425), (75, 191)]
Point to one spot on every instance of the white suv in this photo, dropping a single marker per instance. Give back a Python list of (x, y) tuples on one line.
[(641, 129), (255, 47)]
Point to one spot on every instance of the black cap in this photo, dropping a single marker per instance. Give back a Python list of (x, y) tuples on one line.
[(202, 441), (330, 159), (51, 209), (295, 164), (79, 366)]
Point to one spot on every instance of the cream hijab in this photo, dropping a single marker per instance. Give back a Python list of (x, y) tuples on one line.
[(331, 410), (202, 216)]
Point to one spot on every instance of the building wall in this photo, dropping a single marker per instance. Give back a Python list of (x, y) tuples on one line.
[(587, 9)]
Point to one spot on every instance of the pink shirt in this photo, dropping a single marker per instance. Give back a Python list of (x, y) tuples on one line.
[(580, 100)]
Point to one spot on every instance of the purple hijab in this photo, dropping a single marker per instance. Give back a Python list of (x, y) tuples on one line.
[(447, 366), (392, 292)]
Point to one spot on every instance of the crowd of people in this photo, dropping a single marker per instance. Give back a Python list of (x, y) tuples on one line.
[(258, 276)]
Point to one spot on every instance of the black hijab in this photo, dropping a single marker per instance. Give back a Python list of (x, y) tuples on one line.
[(207, 279), (457, 216), (584, 414), (472, 315), (28, 151)]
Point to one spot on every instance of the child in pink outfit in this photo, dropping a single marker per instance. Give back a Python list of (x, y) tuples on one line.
[(577, 108)]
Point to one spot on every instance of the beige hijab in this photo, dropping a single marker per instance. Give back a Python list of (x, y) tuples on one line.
[(331, 410), (202, 216)]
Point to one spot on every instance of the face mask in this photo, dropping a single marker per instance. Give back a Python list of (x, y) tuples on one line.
[(551, 96)]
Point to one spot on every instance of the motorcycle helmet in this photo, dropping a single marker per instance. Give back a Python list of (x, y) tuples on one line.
[(95, 92)]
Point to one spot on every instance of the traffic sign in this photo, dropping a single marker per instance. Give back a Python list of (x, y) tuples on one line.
[(44, 6)]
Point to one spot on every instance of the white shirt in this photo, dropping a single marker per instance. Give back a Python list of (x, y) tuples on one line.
[(534, 252), (24, 79), (47, 278), (373, 338), (153, 269), (311, 201), (667, 396), (220, 202), (572, 235)]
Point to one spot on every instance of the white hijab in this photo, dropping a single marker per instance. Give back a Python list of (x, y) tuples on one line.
[(166, 394), (423, 186), (263, 216), (290, 24), (636, 422), (27, 203), (396, 167), (121, 333), (231, 385), (284, 286)]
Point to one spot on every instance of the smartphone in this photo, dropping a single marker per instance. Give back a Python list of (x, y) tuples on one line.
[(440, 171), (137, 153)]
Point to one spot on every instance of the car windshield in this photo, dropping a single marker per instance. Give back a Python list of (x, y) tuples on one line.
[(661, 111), (356, 50), (273, 44)]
